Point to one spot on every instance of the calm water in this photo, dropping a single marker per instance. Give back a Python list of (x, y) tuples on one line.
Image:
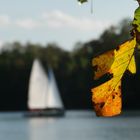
[(77, 125)]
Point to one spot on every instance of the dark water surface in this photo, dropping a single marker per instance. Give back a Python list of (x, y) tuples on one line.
[(76, 125)]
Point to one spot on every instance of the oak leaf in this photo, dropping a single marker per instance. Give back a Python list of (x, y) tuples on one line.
[(107, 96)]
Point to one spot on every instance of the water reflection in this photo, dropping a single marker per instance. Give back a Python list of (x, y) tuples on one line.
[(44, 128), (75, 126)]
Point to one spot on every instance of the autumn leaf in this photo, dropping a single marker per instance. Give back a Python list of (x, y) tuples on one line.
[(107, 96)]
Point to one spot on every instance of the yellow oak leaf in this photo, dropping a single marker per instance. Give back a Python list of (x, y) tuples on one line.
[(107, 96)]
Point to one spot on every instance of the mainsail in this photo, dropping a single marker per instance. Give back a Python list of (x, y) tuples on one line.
[(53, 96), (38, 87)]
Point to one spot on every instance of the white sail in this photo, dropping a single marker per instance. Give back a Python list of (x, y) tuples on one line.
[(38, 87), (53, 96)]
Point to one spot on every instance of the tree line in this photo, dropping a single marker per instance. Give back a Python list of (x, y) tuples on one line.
[(72, 69)]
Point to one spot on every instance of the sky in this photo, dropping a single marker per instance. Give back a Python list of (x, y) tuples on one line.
[(60, 21)]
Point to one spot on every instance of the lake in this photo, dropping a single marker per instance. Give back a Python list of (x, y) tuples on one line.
[(76, 125)]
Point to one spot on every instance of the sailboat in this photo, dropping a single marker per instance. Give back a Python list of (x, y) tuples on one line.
[(43, 95)]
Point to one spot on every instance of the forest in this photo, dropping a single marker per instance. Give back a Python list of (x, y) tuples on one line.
[(73, 70)]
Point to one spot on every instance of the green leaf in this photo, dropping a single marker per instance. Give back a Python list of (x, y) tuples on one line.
[(82, 1)]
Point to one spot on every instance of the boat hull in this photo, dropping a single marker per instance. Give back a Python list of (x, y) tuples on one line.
[(45, 113)]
